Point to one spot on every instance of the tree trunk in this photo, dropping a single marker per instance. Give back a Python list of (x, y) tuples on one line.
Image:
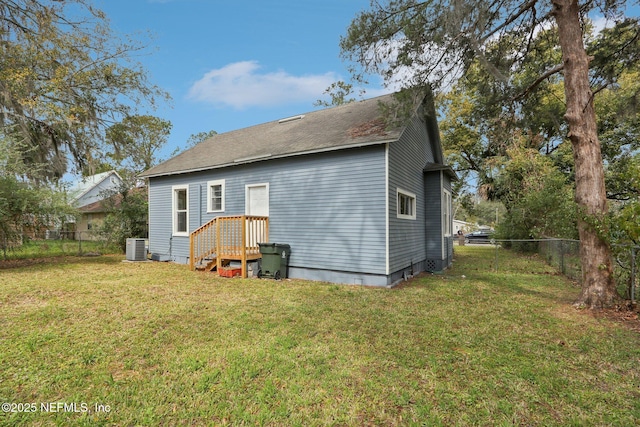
[(598, 286)]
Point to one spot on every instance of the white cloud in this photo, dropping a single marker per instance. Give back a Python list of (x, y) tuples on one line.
[(241, 85)]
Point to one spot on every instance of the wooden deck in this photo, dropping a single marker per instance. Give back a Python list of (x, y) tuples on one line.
[(228, 238)]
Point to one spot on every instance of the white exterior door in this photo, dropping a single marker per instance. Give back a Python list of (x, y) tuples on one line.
[(257, 200), (256, 204)]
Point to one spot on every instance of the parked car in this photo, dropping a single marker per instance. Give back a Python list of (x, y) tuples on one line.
[(478, 236)]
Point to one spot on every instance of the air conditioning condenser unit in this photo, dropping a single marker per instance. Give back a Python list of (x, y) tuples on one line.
[(136, 250)]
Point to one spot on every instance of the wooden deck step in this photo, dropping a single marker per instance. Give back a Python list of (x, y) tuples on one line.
[(207, 264)]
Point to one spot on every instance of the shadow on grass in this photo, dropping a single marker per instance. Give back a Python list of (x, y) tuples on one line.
[(521, 285), (517, 274)]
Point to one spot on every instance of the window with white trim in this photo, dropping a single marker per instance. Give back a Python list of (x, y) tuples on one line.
[(180, 208), (215, 196), (406, 204), (446, 213)]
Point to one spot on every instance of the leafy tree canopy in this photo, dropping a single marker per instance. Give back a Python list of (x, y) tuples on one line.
[(136, 142), (65, 77), (480, 127)]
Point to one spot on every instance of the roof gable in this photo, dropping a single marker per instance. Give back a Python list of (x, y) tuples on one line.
[(85, 184)]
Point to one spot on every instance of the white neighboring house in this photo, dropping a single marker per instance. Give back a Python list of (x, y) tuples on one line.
[(88, 189), (86, 195)]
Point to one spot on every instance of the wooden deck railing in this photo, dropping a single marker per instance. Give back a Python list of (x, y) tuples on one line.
[(229, 238), (202, 243)]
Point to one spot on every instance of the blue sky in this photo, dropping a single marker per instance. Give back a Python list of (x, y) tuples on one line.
[(230, 64)]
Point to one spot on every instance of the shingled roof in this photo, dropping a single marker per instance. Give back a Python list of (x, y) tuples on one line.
[(350, 125)]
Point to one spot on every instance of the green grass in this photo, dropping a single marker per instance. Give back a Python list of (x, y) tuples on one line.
[(162, 345), (53, 248)]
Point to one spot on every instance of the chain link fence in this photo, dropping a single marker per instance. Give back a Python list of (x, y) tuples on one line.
[(564, 256), (56, 243)]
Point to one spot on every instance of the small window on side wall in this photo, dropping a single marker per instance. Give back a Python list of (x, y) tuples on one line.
[(215, 196), (406, 204)]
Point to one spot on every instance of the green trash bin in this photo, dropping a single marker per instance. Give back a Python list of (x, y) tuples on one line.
[(275, 260)]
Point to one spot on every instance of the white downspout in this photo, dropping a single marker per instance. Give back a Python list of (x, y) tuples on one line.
[(386, 189)]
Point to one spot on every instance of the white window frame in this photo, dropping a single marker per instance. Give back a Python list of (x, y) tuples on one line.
[(414, 204), (174, 210), (446, 213), (210, 185)]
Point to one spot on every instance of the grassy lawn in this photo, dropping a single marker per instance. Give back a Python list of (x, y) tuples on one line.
[(51, 248), (153, 343)]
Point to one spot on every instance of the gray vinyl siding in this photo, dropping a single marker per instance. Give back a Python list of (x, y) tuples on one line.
[(333, 214), (433, 231), (328, 207), (439, 247), (161, 241), (407, 159)]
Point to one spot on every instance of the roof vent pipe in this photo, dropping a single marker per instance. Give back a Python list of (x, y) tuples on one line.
[(291, 119)]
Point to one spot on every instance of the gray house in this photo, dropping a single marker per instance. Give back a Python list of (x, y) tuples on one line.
[(358, 202)]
